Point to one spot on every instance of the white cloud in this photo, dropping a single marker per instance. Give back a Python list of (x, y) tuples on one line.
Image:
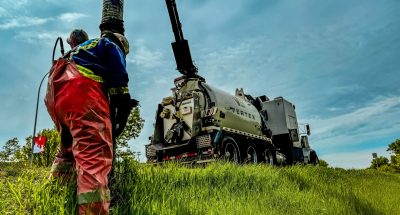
[(371, 111), (23, 22), (3, 12), (13, 4), (377, 119), (232, 63), (40, 38), (146, 58), (71, 17)]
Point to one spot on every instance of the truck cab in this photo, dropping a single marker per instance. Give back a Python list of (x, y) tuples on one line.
[(288, 137)]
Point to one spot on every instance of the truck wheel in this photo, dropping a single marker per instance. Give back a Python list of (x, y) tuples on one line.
[(159, 156), (269, 157), (314, 158), (251, 155), (230, 150)]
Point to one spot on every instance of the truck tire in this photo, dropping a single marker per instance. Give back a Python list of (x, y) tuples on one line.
[(230, 150), (269, 157), (314, 158), (159, 156), (250, 156)]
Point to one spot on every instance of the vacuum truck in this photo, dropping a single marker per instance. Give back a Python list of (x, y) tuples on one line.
[(201, 123)]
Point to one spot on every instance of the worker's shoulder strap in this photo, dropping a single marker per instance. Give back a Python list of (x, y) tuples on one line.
[(85, 46), (68, 55)]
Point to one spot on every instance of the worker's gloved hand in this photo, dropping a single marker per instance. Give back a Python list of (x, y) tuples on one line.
[(134, 103), (120, 108)]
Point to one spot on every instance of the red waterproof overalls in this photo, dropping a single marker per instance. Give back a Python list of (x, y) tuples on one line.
[(79, 107)]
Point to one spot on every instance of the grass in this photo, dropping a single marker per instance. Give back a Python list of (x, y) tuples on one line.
[(28, 191), (220, 188)]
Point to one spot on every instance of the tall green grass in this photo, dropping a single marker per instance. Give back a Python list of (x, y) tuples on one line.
[(219, 188), (25, 190)]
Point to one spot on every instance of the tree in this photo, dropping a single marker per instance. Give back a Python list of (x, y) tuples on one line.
[(53, 140), (132, 130), (122, 150), (395, 147), (26, 150), (13, 152), (10, 149), (379, 162), (395, 159), (323, 163), (44, 158), (382, 164)]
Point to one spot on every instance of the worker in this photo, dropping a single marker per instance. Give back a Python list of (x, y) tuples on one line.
[(77, 37), (84, 87)]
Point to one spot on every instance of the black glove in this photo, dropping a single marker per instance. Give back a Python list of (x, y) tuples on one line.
[(120, 108), (134, 103)]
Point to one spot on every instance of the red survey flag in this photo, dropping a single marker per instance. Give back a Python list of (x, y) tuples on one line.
[(40, 142)]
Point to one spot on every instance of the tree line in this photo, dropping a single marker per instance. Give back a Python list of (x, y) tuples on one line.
[(13, 151), (384, 164)]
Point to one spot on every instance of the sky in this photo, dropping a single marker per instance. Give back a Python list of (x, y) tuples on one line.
[(338, 61)]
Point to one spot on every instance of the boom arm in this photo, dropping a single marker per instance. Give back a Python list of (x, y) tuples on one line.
[(180, 47)]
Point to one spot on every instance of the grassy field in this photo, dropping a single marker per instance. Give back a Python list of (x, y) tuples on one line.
[(220, 188)]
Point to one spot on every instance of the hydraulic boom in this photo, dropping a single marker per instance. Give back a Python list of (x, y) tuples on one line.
[(180, 47)]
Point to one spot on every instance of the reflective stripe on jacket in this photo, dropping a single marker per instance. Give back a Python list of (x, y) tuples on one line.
[(102, 61)]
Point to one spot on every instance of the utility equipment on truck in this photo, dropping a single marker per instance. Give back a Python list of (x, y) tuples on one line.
[(201, 123)]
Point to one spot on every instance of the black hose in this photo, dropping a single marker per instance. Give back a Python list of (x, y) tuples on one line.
[(55, 46)]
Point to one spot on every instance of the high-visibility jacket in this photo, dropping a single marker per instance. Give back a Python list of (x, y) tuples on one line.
[(102, 61)]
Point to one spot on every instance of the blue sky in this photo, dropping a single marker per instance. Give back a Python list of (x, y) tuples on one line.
[(336, 60)]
